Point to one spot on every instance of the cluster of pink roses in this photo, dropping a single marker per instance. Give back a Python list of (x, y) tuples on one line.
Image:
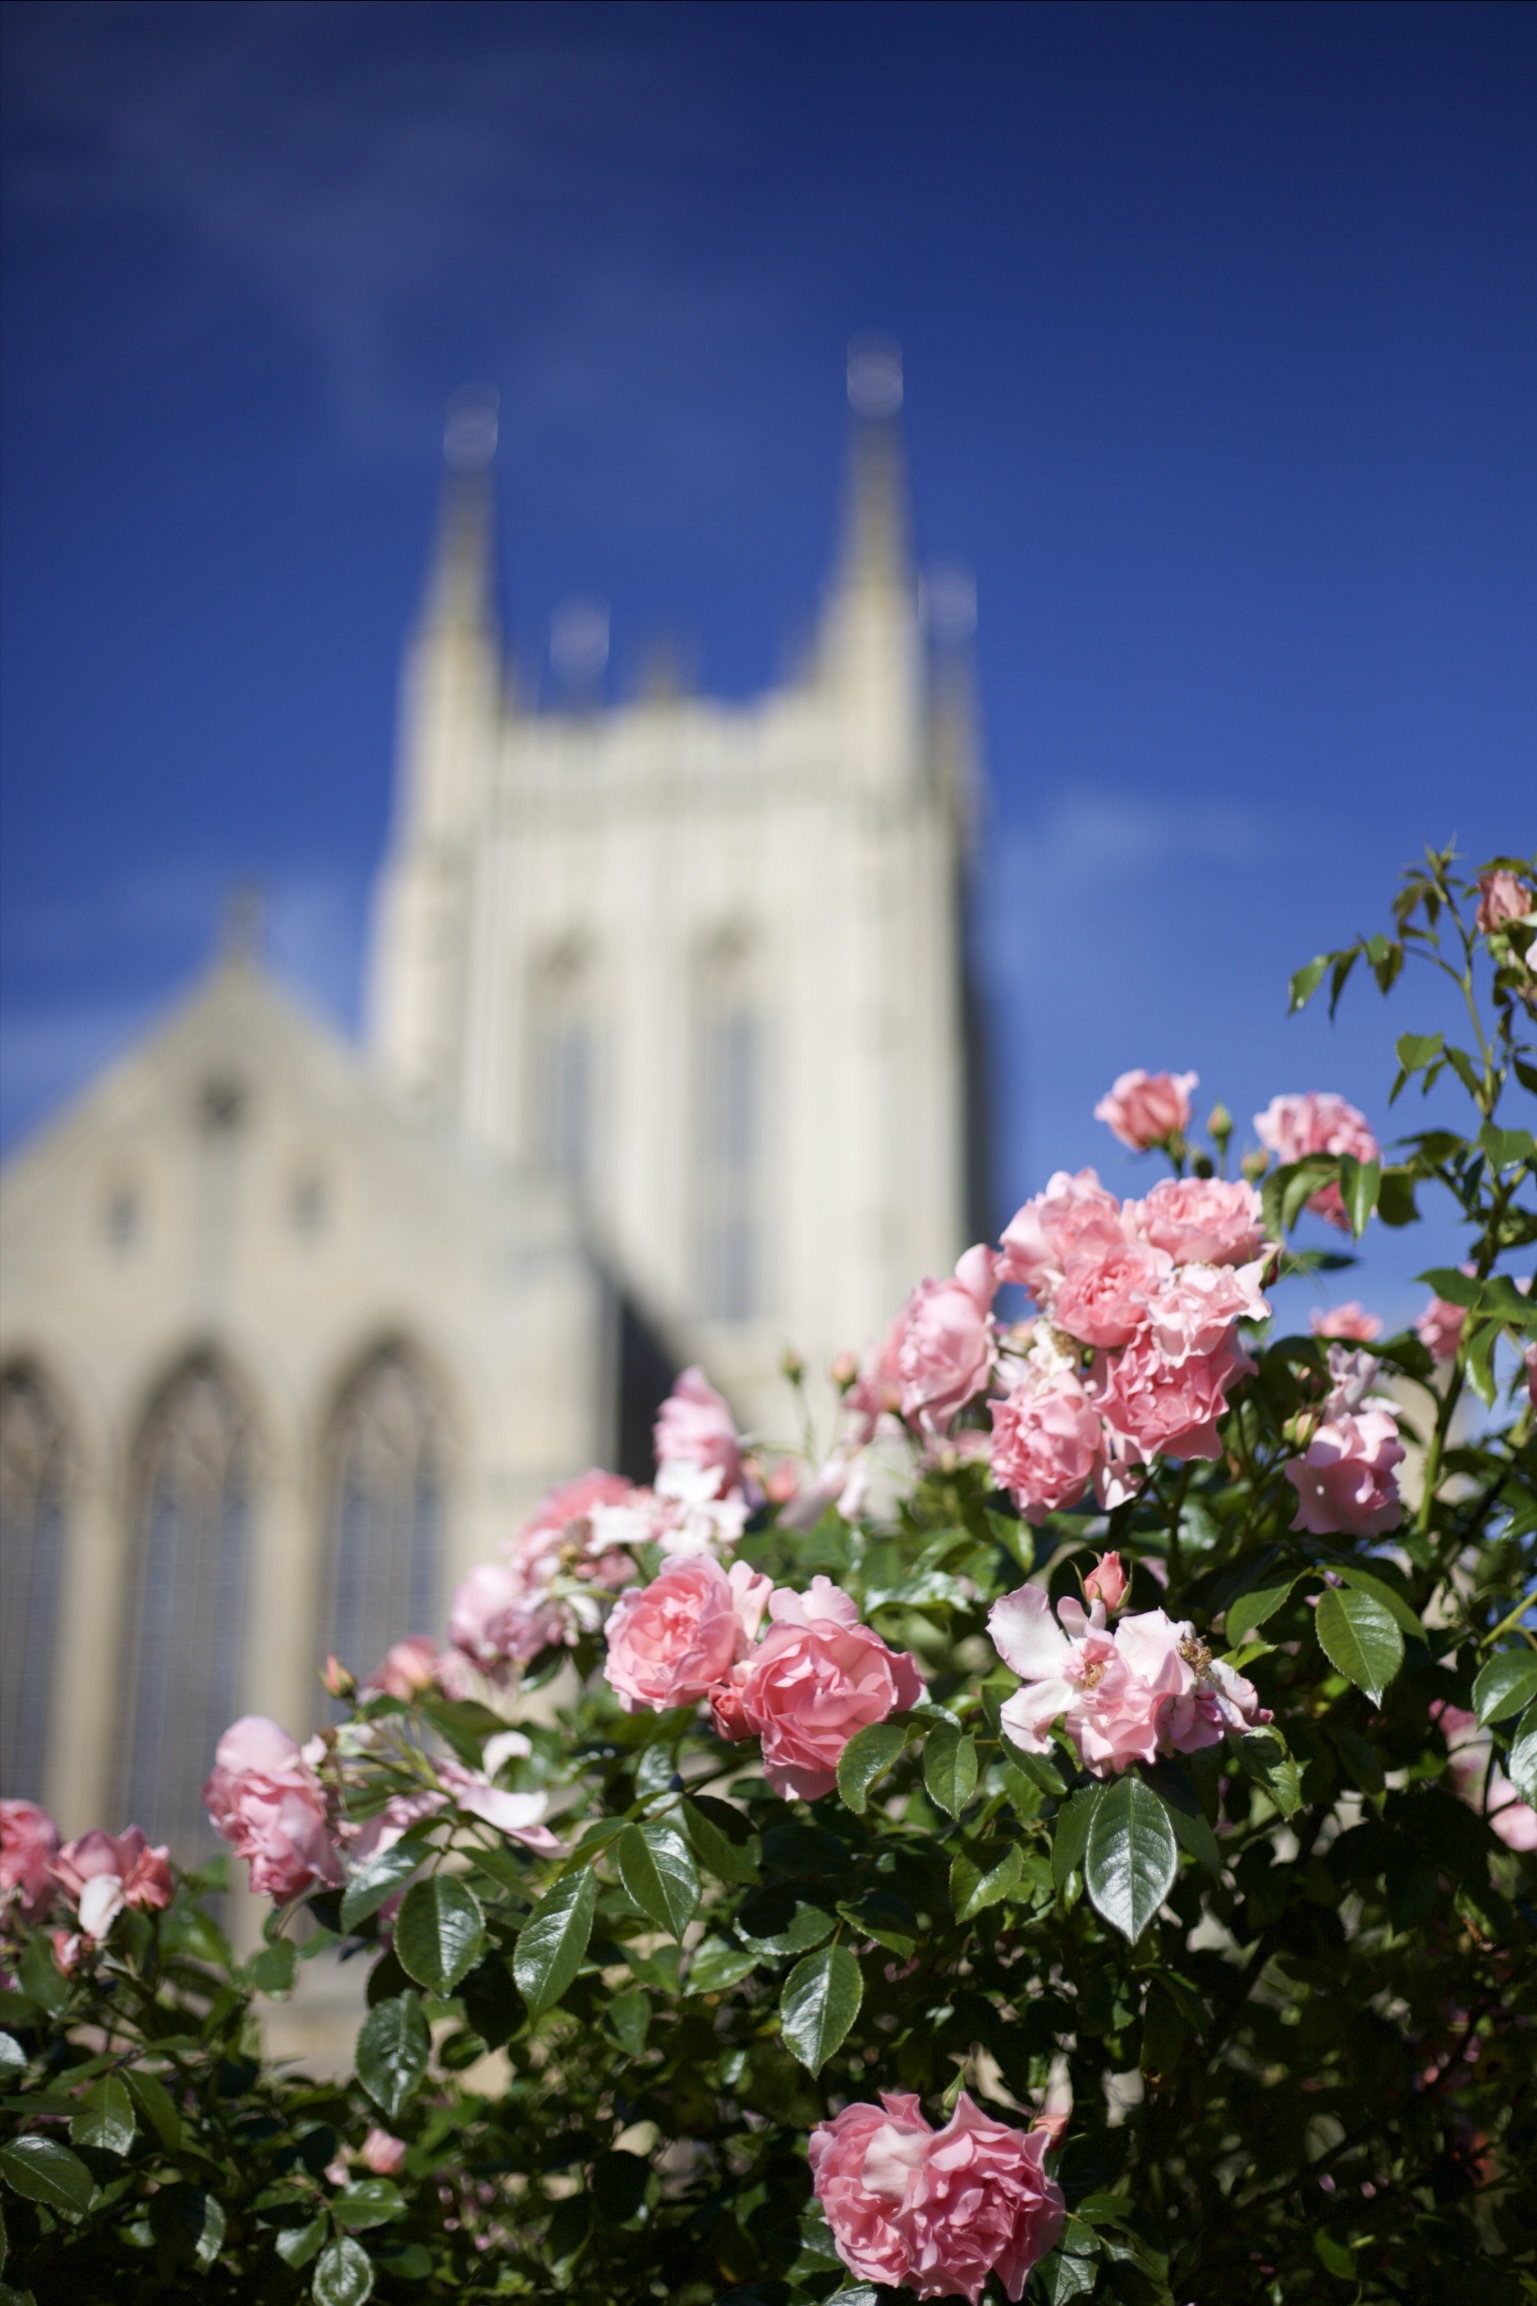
[(1150, 1687), (1317, 1121), (797, 1671), (98, 1873), (1347, 1477), (1481, 1785), (936, 2210)]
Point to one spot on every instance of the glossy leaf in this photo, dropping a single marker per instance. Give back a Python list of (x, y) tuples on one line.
[(344, 2274), (1252, 1609), (367, 2202), (868, 1754), (1071, 1832), (553, 1940), (1360, 1182), (440, 1932), (379, 1879), (629, 2020), (297, 2245), (949, 1768), (1131, 1856), (971, 1890), (393, 2046), (722, 1839), (47, 2172), (657, 1868), (1521, 1762), (1506, 1685), (1363, 1581), (820, 2002), (1360, 1635), (156, 2104), (106, 2117), (715, 1966)]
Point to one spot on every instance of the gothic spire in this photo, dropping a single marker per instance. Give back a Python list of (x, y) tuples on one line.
[(875, 542), (459, 585)]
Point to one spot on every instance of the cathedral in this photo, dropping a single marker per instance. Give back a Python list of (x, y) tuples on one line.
[(670, 1057)]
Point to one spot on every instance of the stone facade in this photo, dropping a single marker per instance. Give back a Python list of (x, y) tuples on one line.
[(666, 1061)]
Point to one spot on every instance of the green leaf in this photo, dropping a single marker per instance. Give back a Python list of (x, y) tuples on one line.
[(296, 2245), (1521, 1761), (1186, 1816), (39, 1975), (1416, 1050), (367, 2202), (971, 1889), (1506, 1685), (49, 2173), (105, 2118), (793, 1926), (819, 2004), (440, 1932), (1359, 1635), (1064, 2276), (156, 2104), (1454, 1287), (722, 1839), (379, 1879), (1131, 1856), (629, 2019), (1333, 2256), (1392, 1601), (1307, 980), (1362, 1764), (1252, 1609), (1506, 1148), (191, 2221), (13, 2060), (1395, 1199), (715, 1966), (1263, 1757), (272, 1970), (344, 2274), (949, 1768), (657, 1868), (867, 1755), (553, 1940), (393, 2046), (1071, 1833), (1360, 1182)]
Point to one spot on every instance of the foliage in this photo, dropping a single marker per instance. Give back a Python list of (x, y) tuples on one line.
[(1287, 1979)]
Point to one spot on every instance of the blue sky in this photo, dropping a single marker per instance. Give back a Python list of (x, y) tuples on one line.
[(1219, 328)]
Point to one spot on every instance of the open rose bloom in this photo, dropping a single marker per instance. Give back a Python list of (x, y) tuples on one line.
[(1317, 1122), (265, 1799), (1147, 1109)]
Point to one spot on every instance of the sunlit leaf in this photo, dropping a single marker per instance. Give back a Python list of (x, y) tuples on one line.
[(1360, 1636), (1131, 1856), (820, 2002), (439, 1932), (553, 1940), (1506, 1685)]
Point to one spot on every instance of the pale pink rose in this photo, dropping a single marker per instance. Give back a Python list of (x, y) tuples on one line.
[(1147, 1109), (1107, 1582), (1072, 1671), (669, 1642), (1191, 1315), (1502, 897), (1345, 1481), (1201, 1220), (265, 1799), (405, 1670), (945, 1354), (1351, 1379), (861, 2212), (1047, 1440), (520, 1816), (695, 1425), (498, 1619), (1165, 1408), (382, 2152), (815, 1680), (1514, 1820), (1317, 1121), (102, 1873), (1199, 1697), (1350, 1322), (562, 1536), (876, 1389), (1072, 1213), (1440, 1328), (1102, 1297), (936, 2211), (28, 1840)]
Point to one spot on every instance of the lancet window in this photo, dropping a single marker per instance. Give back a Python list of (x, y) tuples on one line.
[(385, 1510), (193, 1483), (731, 1123), (565, 1062), (34, 1469)]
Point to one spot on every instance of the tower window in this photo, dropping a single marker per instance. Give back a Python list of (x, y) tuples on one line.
[(384, 1510), (33, 1472)]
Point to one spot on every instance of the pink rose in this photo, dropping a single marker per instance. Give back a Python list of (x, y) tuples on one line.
[(1165, 1408), (28, 1840), (1350, 1322), (945, 1352), (1483, 1788), (498, 1619), (1193, 1313), (1529, 1359), (816, 1679), (1345, 1480), (406, 1669), (1107, 1582), (1502, 896), (1316, 1121), (1199, 1697), (1072, 1213), (1147, 1109), (1047, 1440), (1201, 1220), (1440, 1328), (1102, 1298), (695, 1426), (935, 2210), (102, 1873), (382, 2153), (669, 1642), (265, 1799)]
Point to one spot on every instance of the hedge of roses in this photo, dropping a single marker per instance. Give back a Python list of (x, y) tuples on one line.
[(1069, 1835)]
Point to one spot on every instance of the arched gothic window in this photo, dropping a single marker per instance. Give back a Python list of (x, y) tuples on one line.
[(731, 1128), (187, 1602), (565, 1058), (34, 1463), (384, 1510)]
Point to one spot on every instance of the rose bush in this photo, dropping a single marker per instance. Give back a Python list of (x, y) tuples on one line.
[(1070, 1834)]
